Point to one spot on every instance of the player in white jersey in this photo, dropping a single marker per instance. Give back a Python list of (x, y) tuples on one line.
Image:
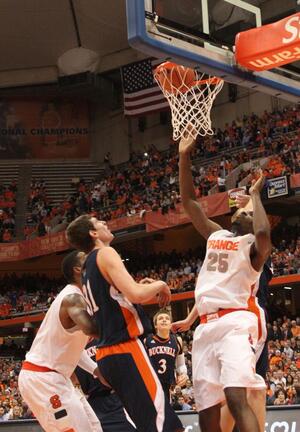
[(224, 343), (58, 347)]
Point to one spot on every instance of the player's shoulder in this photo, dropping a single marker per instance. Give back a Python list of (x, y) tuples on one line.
[(107, 254), (71, 295), (220, 233), (149, 339)]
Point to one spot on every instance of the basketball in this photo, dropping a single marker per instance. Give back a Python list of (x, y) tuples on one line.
[(173, 77)]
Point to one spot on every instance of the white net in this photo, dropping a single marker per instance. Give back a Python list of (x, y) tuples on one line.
[(190, 100)]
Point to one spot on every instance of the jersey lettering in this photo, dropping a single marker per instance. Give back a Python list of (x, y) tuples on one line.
[(217, 262), (223, 245), (162, 350), (88, 295)]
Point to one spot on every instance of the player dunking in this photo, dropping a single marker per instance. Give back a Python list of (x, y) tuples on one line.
[(256, 398), (112, 294), (165, 352), (58, 347), (228, 331)]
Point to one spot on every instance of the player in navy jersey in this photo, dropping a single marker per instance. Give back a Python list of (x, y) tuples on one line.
[(165, 352), (104, 401), (112, 296)]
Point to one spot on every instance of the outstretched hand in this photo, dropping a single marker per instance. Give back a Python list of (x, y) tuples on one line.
[(258, 184), (187, 142), (180, 326), (242, 200)]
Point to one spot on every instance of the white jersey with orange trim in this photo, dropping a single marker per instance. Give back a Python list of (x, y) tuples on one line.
[(55, 347), (227, 278)]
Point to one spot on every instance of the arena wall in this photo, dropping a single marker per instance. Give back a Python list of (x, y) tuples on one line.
[(285, 419)]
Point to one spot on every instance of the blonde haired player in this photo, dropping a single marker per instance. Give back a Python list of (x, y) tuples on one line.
[(227, 335), (165, 352), (57, 349)]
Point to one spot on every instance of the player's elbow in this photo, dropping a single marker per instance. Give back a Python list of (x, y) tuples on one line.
[(263, 242), (90, 328)]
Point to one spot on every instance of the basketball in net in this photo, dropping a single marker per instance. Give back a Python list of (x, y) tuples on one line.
[(175, 78), (190, 95)]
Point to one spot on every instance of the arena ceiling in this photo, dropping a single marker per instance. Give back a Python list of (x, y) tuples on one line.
[(35, 33)]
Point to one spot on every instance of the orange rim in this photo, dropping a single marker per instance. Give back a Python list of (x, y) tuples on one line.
[(169, 66)]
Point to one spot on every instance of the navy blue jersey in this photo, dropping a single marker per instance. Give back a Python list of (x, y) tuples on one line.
[(162, 354), (263, 290), (91, 386), (118, 320)]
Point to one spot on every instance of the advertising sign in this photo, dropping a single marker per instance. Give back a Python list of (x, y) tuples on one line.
[(277, 186), (285, 420)]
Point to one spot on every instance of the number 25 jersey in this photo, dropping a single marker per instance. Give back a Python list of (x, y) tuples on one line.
[(226, 279)]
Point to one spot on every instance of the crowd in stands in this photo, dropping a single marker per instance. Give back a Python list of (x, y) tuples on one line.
[(30, 293), (7, 212), (12, 407), (149, 181), (27, 293), (286, 251)]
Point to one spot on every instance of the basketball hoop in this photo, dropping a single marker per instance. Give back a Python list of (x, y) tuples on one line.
[(190, 95)]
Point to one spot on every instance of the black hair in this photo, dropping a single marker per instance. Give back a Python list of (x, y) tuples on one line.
[(69, 262)]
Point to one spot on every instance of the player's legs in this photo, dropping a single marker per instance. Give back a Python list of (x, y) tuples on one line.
[(55, 403), (128, 370), (209, 419), (111, 413), (245, 419), (208, 391), (234, 349), (256, 397), (257, 401), (227, 421)]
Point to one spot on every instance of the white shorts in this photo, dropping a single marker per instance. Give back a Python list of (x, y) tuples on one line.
[(57, 405), (223, 356)]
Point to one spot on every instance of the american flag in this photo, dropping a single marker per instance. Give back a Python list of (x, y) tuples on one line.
[(141, 93)]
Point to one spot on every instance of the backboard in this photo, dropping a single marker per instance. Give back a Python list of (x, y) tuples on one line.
[(201, 33)]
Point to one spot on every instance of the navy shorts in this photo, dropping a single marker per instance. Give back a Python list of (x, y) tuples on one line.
[(262, 364), (127, 368), (111, 414)]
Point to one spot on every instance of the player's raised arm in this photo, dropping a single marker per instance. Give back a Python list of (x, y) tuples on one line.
[(113, 269), (201, 222), (262, 247), (75, 307)]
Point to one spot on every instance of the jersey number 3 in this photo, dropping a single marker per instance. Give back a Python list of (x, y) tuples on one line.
[(217, 262), (162, 366)]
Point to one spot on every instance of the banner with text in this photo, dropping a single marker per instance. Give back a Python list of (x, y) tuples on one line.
[(213, 205), (44, 129)]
